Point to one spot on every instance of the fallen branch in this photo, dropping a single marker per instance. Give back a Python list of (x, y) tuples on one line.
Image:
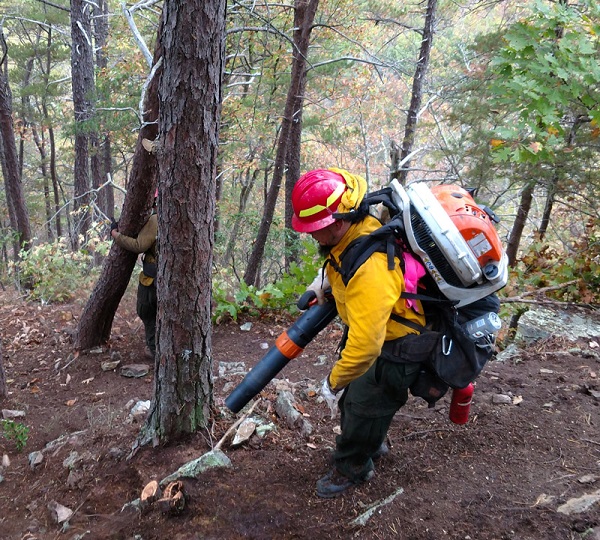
[(522, 298)]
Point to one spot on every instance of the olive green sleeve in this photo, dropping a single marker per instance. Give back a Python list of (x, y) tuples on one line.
[(145, 239)]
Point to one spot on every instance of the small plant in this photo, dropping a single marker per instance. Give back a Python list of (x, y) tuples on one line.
[(231, 296), (54, 271), (15, 431)]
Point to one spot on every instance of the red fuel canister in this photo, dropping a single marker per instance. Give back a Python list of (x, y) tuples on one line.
[(460, 404)]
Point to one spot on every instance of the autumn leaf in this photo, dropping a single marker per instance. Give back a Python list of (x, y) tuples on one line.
[(495, 143), (535, 147)]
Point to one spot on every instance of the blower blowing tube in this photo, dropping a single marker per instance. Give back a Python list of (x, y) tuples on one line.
[(287, 346)]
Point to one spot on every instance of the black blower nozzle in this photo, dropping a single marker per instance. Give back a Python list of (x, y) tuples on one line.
[(287, 346)]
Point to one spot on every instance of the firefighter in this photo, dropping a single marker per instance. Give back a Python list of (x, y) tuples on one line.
[(367, 389), (144, 242)]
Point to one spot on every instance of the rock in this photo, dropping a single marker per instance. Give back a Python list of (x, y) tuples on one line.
[(246, 327), (244, 432), (135, 370), (115, 453), (58, 512), (140, 409), (543, 322), (110, 365), (588, 479), (321, 359), (579, 504), (10, 414), (35, 458), (231, 368), (501, 399), (284, 407), (194, 468), (512, 351), (76, 479), (72, 460), (5, 461)]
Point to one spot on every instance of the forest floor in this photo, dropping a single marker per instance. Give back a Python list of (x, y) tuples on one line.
[(527, 468)]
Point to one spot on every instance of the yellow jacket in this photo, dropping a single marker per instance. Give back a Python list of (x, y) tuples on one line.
[(145, 243), (365, 306)]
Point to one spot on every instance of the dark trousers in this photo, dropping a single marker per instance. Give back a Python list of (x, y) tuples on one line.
[(367, 407), (146, 310)]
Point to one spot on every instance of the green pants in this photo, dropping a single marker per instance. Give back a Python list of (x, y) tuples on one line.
[(367, 407), (146, 310)]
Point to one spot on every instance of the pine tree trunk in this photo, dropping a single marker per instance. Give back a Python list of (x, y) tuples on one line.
[(97, 317), (82, 80), (190, 113)]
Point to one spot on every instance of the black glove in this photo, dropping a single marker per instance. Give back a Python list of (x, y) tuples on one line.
[(114, 225)]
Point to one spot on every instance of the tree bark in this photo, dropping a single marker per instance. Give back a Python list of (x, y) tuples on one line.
[(15, 198), (417, 93), (3, 386), (303, 18), (190, 113), (98, 314), (514, 239), (82, 80), (102, 166)]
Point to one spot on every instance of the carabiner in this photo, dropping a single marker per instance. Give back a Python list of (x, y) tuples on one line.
[(446, 345)]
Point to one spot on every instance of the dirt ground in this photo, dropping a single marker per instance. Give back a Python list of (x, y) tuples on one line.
[(504, 475)]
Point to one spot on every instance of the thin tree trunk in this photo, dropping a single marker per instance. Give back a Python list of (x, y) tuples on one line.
[(3, 386), (245, 192), (417, 93), (514, 239), (304, 17), (41, 146), (19, 218), (51, 140), (550, 198)]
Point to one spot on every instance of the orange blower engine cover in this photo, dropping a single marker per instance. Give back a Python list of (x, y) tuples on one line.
[(474, 224)]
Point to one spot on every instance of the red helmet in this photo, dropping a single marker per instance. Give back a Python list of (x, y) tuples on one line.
[(315, 198)]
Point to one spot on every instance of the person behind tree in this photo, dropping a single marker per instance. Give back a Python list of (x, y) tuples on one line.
[(367, 389), (145, 243)]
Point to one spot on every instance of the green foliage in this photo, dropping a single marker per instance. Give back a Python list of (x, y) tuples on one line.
[(15, 431), (572, 274), (547, 74), (231, 297), (55, 273)]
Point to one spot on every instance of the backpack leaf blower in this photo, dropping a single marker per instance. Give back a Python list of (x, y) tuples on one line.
[(288, 345)]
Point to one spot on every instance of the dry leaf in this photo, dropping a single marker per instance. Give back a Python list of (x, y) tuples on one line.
[(311, 445), (71, 402)]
